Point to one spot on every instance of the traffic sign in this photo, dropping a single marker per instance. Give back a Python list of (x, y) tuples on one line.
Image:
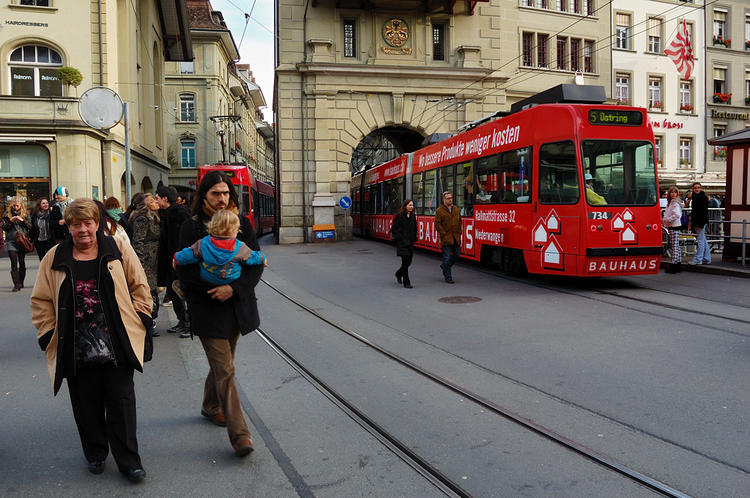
[(345, 202)]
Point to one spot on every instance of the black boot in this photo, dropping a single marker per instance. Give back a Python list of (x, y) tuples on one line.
[(16, 284), (398, 276), (407, 282), (677, 267), (21, 276)]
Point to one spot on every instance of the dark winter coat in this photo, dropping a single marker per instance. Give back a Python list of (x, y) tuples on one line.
[(59, 232), (211, 317), (35, 226), (404, 231), (11, 229), (125, 300), (172, 219), (699, 213), (145, 241)]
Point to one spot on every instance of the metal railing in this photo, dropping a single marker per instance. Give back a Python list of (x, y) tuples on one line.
[(718, 234)]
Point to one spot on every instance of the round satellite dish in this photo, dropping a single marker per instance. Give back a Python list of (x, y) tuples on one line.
[(100, 107)]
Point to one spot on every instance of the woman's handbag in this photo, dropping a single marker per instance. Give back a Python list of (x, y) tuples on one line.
[(24, 242)]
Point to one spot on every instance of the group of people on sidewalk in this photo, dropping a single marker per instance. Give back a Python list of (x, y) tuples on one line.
[(447, 225), (674, 221), (94, 304)]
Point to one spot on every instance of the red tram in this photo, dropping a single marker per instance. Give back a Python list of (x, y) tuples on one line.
[(564, 188), (257, 198)]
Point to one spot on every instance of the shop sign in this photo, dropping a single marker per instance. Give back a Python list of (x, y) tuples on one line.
[(740, 116)]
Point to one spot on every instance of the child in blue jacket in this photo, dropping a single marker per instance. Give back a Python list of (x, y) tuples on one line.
[(219, 253)]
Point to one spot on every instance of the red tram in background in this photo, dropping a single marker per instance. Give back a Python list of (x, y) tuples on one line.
[(567, 188), (257, 198)]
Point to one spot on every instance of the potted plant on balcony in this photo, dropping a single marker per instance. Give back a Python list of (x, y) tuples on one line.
[(657, 106), (718, 40), (722, 98), (623, 102), (686, 108), (747, 100), (70, 76), (747, 44)]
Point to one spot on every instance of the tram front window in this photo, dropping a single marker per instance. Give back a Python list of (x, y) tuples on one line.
[(623, 172)]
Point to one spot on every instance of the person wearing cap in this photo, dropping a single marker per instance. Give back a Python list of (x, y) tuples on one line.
[(592, 197), (57, 213), (172, 217)]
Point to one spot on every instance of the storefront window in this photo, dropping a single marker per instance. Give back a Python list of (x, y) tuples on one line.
[(24, 171)]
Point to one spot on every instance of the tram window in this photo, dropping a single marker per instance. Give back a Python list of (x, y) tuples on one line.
[(417, 193), (623, 171), (430, 192), (558, 173), (487, 181), (515, 175), (465, 181), (445, 180), (393, 195)]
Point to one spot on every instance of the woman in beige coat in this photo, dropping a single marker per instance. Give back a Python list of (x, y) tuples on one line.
[(91, 307)]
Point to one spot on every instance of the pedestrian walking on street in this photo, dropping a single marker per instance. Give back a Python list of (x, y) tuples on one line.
[(57, 214), (109, 225), (404, 231), (91, 308), (15, 222), (672, 221), (112, 205), (41, 231), (146, 233), (448, 226), (220, 314), (172, 217), (699, 220)]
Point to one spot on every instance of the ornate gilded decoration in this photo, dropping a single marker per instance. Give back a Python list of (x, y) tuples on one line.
[(395, 32)]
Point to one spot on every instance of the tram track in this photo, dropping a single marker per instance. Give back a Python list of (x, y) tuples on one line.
[(650, 302), (417, 462)]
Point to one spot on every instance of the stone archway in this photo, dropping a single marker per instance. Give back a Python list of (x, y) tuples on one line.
[(123, 190), (147, 186), (382, 145)]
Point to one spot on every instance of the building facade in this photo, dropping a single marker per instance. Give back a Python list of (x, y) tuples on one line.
[(727, 73), (644, 76), (122, 45), (356, 86), (213, 103)]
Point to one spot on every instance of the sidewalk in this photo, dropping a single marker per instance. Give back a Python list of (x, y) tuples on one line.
[(717, 267)]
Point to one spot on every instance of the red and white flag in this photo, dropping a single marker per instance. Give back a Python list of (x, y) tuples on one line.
[(681, 52)]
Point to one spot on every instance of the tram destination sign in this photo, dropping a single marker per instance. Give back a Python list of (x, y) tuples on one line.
[(615, 117)]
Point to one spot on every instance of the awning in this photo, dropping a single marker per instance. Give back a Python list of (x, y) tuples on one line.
[(178, 45), (25, 138)]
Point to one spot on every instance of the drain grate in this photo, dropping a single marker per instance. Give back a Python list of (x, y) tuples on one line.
[(459, 299)]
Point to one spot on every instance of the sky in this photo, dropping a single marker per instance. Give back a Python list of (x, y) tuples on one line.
[(256, 46)]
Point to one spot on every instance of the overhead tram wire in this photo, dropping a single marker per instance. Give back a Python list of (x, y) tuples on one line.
[(527, 76), (487, 92)]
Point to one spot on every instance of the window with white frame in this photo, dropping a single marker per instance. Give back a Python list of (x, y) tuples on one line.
[(589, 7), (747, 86), (542, 4), (720, 24), (686, 152), (33, 71), (541, 50), (747, 32), (187, 107), (36, 3), (350, 38), (720, 80), (588, 56), (622, 31), (654, 34), (562, 53), (719, 152), (686, 96), (576, 6), (622, 88), (658, 140), (562, 5), (187, 67), (527, 40), (655, 99), (187, 153), (575, 54)]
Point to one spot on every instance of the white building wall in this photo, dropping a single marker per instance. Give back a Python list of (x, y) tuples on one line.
[(670, 123)]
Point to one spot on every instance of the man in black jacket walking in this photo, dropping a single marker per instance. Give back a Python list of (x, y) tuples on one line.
[(220, 314), (699, 220), (172, 216)]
